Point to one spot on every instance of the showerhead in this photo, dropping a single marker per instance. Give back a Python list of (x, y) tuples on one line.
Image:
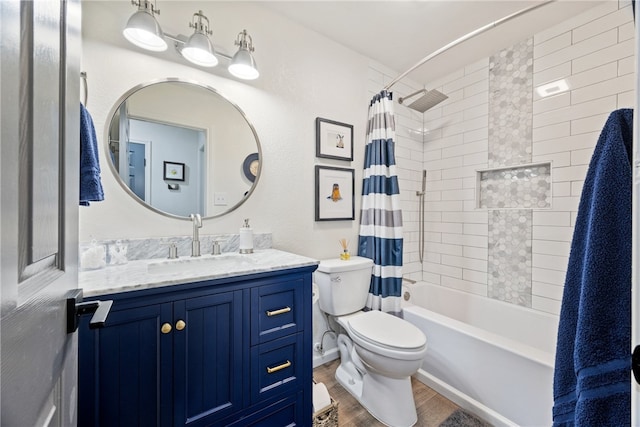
[(429, 99)]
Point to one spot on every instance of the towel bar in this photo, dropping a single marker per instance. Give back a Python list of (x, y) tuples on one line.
[(85, 86)]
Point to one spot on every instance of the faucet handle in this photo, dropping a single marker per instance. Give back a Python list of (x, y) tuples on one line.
[(173, 251), (215, 250)]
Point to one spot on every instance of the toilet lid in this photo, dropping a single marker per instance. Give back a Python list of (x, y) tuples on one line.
[(387, 330)]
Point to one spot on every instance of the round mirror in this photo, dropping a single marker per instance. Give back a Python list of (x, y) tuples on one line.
[(179, 147)]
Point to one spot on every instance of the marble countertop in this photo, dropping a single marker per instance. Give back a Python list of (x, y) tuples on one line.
[(152, 273)]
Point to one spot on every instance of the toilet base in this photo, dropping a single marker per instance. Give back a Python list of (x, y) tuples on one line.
[(389, 400)]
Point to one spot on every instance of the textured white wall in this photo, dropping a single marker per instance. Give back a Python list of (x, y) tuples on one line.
[(303, 76)]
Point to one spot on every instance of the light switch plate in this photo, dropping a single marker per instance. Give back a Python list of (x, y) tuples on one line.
[(220, 199)]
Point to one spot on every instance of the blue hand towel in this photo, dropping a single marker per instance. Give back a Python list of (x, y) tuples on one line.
[(592, 383), (90, 184)]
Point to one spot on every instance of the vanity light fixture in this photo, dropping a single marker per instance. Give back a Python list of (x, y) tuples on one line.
[(142, 28), (144, 31), (243, 66), (198, 49)]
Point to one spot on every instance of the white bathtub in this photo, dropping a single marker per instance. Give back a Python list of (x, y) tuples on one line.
[(493, 358)]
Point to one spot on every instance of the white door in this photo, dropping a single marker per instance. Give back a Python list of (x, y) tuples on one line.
[(138, 169), (39, 157), (635, 289)]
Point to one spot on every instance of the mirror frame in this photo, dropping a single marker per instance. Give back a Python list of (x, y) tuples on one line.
[(124, 186)]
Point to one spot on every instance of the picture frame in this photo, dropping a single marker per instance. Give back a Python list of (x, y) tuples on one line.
[(334, 194), (334, 140), (251, 166), (173, 171)]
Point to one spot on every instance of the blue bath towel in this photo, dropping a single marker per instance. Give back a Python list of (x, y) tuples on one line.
[(592, 382), (90, 184)]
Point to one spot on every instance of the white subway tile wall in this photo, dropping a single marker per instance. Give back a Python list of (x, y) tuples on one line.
[(594, 53)]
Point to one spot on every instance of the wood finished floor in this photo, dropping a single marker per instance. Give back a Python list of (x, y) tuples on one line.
[(432, 408)]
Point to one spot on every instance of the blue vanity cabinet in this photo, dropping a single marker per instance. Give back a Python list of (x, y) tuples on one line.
[(177, 361), (121, 369), (208, 365), (225, 352)]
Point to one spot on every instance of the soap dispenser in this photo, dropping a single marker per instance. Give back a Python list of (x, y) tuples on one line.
[(246, 238)]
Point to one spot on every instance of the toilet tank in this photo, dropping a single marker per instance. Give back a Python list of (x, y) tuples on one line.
[(343, 286)]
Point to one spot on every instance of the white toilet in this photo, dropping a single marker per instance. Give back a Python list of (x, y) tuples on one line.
[(379, 351)]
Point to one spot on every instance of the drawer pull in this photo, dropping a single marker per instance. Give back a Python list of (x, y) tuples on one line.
[(166, 328), (278, 368), (280, 311), (180, 325)]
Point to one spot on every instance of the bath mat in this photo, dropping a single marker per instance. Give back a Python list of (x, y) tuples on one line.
[(460, 418)]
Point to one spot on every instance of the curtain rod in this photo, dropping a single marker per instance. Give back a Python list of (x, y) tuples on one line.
[(464, 38)]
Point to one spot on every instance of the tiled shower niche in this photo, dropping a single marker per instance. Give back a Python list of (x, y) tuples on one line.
[(517, 187), (511, 194)]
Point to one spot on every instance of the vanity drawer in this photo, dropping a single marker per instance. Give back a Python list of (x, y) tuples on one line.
[(276, 311), (276, 367), (286, 412)]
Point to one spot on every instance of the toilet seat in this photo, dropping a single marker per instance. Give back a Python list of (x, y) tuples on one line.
[(387, 330), (402, 341)]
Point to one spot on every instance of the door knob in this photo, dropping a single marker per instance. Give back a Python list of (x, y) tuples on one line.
[(180, 325), (76, 308), (166, 328)]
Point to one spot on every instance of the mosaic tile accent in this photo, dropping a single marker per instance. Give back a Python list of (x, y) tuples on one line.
[(506, 191), (509, 272), (511, 105), (519, 187)]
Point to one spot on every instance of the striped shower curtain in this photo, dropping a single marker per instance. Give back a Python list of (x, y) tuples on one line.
[(381, 218)]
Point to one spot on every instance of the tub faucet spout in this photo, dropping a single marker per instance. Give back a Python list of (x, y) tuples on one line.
[(195, 244)]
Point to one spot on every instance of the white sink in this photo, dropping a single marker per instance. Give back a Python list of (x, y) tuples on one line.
[(226, 262)]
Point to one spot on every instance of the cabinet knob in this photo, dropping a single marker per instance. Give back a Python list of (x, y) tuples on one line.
[(166, 328), (180, 325)]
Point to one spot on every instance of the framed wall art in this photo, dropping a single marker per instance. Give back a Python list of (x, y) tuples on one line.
[(251, 166), (334, 194), (173, 171), (334, 140)]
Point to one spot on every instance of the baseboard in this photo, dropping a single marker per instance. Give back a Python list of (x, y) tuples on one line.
[(328, 356), (463, 400)]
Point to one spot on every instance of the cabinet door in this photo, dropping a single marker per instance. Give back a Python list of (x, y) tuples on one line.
[(123, 369), (208, 358)]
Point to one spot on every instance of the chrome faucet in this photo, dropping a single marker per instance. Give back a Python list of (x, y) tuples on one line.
[(195, 244)]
